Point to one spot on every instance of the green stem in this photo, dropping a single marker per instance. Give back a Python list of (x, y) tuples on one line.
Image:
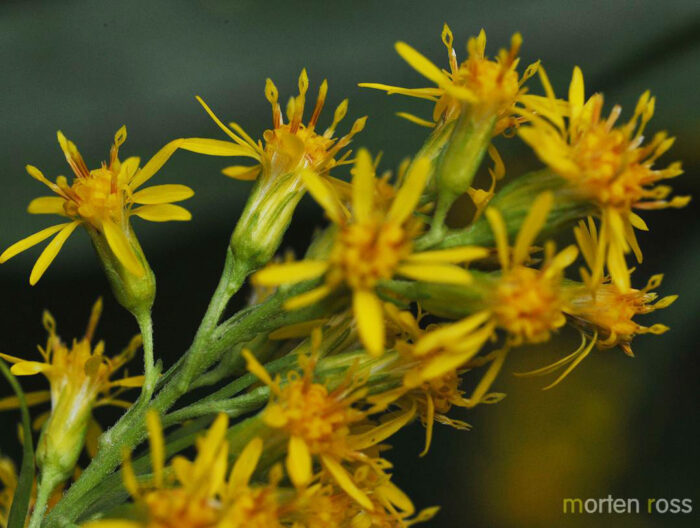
[(47, 484), (149, 370)]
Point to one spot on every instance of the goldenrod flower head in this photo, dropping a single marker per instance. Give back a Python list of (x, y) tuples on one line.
[(482, 85), (372, 243), (103, 200), (323, 423), (609, 165), (199, 493), (528, 303), (288, 147), (80, 379)]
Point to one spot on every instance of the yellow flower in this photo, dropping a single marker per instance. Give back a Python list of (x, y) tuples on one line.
[(373, 242), (609, 166), (8, 479), (80, 380), (608, 309), (323, 423), (103, 201), (484, 86), (528, 303), (199, 493)]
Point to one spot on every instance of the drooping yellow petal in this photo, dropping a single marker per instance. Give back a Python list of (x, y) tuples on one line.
[(121, 247), (246, 463), (500, 233), (242, 172), (370, 320), (50, 252), (344, 480), (255, 368), (299, 464), (363, 186), (30, 241), (161, 194), (384, 430), (307, 298), (439, 273), (531, 226), (29, 368), (289, 272), (162, 213), (157, 444), (154, 164), (415, 119), (47, 205), (410, 192), (324, 195)]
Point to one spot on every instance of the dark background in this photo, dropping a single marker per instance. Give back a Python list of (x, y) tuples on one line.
[(622, 426)]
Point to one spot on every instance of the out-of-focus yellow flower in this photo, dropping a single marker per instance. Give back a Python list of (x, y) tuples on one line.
[(481, 85), (80, 380), (199, 493), (528, 303), (373, 242), (103, 201), (8, 479), (324, 423), (608, 165)]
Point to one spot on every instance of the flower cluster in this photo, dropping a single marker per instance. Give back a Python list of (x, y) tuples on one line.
[(387, 317)]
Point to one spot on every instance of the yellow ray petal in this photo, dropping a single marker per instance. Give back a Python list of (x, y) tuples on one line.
[(344, 480), (370, 320), (157, 444), (307, 298), (289, 272), (50, 252), (242, 172), (415, 119), (299, 464), (160, 194), (218, 147), (162, 213), (154, 164), (410, 192), (382, 431), (246, 463), (47, 205), (324, 195), (531, 226), (121, 247), (32, 398), (29, 368), (363, 186), (452, 255), (576, 93), (439, 273), (500, 233), (30, 241)]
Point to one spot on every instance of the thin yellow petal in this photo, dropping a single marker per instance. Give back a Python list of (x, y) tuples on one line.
[(363, 186), (50, 252), (410, 192), (30, 241), (161, 194), (157, 444), (384, 430), (299, 464), (246, 463), (255, 368), (438, 273), (47, 205), (218, 147), (121, 247), (415, 119), (289, 272), (29, 368), (307, 298), (32, 398), (531, 226), (500, 233), (242, 172), (162, 213), (154, 164), (370, 320), (451, 256), (324, 195), (576, 93), (344, 480)]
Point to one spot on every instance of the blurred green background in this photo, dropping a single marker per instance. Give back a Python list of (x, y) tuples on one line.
[(622, 426)]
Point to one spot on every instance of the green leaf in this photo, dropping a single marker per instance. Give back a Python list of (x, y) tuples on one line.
[(20, 502)]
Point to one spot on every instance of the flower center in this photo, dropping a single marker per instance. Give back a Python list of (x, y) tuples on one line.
[(171, 508), (528, 304), (367, 252), (96, 198)]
